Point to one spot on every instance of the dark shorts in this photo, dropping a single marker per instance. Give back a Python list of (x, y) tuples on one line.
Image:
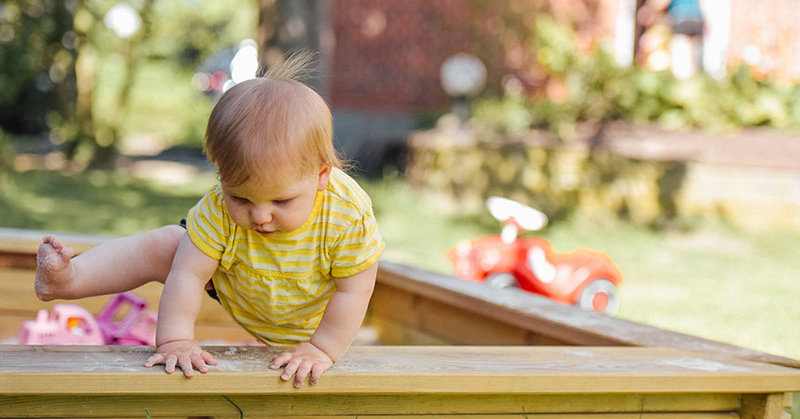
[(210, 290), (688, 27)]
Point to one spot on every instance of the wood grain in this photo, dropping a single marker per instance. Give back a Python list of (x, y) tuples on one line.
[(398, 369), (68, 381), (544, 321)]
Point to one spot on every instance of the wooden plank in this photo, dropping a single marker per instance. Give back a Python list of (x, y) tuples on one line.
[(677, 415), (17, 260), (394, 333), (393, 369), (542, 317), (788, 400), (429, 319), (468, 380), (302, 405), (22, 241), (766, 406), (433, 404)]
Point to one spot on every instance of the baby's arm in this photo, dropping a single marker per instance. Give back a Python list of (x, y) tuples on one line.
[(180, 303), (337, 329)]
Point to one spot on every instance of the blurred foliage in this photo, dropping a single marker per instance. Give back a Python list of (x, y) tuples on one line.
[(36, 64), (66, 76), (590, 87), (6, 156)]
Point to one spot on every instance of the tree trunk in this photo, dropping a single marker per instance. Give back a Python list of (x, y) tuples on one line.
[(291, 25)]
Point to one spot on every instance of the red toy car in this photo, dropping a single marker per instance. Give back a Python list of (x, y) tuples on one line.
[(584, 278)]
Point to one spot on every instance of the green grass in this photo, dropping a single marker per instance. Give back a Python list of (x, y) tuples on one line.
[(714, 281), (95, 202)]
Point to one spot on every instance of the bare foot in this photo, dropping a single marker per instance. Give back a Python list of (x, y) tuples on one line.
[(53, 269)]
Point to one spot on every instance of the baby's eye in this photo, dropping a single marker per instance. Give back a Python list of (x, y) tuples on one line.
[(240, 199), (282, 201)]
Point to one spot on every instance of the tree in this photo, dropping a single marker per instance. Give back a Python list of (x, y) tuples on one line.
[(290, 25), (37, 77), (67, 76)]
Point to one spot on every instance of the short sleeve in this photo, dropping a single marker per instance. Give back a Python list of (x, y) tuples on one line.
[(358, 247), (208, 224)]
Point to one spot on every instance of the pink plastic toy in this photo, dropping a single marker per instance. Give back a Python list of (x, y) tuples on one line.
[(137, 326), (66, 324)]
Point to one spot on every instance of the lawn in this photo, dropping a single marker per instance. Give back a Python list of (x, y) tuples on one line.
[(711, 280)]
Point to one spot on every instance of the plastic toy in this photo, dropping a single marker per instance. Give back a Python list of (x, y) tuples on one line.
[(136, 326), (65, 324), (125, 320), (585, 278)]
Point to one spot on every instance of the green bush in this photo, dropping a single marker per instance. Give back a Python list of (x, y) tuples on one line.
[(596, 90)]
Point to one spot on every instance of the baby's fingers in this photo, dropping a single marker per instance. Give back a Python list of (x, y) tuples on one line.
[(154, 359), (208, 358), (316, 372), (290, 369), (199, 363), (280, 360), (169, 363), (301, 373), (185, 363)]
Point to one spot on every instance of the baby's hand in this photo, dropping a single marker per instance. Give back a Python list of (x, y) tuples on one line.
[(183, 353), (301, 360)]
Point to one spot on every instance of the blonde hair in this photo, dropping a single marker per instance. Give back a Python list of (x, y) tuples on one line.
[(272, 125)]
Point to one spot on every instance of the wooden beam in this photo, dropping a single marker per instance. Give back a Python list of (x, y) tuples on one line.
[(22, 241), (400, 369), (398, 406), (521, 313), (18, 247), (768, 406), (67, 381)]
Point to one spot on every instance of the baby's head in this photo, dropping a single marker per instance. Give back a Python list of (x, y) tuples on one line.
[(271, 127)]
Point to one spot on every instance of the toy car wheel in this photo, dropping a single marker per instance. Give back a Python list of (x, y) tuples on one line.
[(501, 280), (599, 295)]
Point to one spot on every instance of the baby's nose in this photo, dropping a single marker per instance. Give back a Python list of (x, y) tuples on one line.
[(261, 215)]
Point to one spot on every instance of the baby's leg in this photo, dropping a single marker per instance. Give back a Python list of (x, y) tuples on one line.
[(114, 266)]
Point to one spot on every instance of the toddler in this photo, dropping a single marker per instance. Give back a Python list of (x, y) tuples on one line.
[(287, 239)]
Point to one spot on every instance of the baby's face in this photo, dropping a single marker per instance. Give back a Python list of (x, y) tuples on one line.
[(269, 208)]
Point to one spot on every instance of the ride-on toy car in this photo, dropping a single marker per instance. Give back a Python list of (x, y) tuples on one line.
[(584, 278)]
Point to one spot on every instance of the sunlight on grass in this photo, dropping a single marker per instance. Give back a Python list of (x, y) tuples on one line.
[(95, 202)]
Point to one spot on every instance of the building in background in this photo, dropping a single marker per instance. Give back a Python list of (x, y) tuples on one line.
[(380, 59)]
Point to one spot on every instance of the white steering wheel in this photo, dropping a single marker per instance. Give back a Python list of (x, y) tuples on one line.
[(526, 217)]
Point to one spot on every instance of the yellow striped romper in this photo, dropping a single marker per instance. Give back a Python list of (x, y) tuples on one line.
[(277, 287)]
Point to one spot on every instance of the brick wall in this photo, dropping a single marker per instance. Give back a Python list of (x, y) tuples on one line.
[(387, 53)]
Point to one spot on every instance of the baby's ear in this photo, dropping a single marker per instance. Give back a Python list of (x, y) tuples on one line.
[(324, 177)]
